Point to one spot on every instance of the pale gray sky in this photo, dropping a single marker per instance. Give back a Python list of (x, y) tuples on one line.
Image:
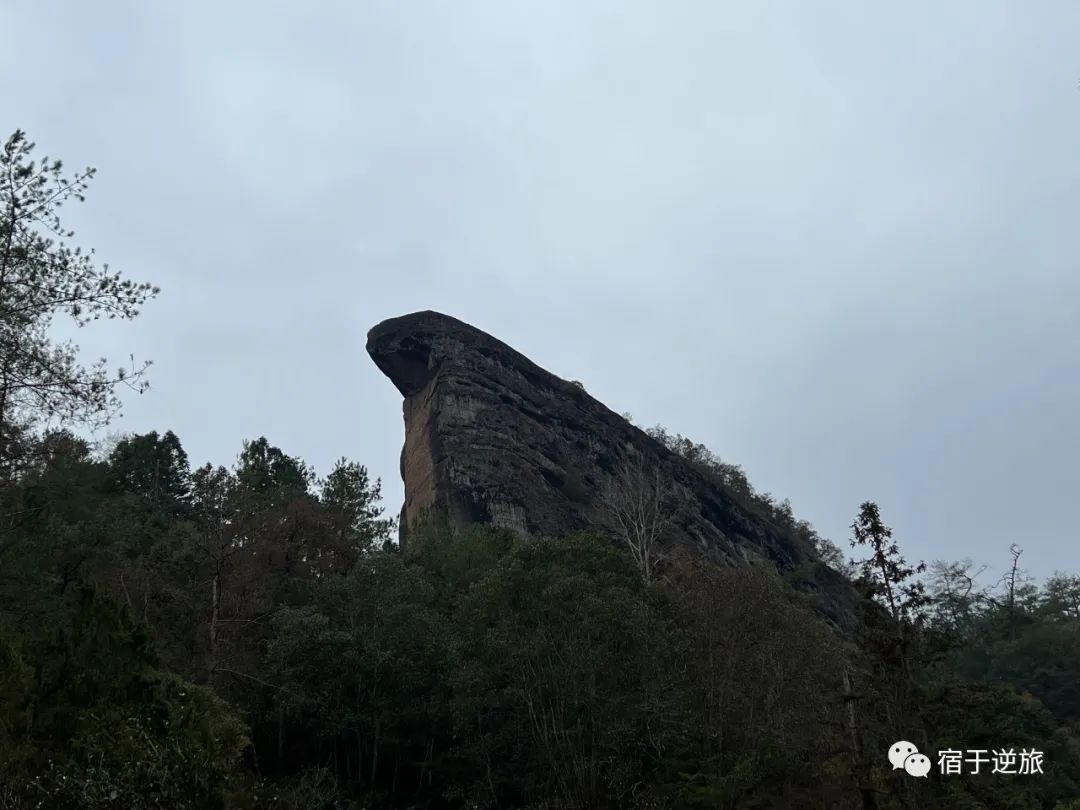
[(836, 242)]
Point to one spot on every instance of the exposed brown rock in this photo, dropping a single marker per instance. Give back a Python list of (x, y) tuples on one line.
[(490, 437)]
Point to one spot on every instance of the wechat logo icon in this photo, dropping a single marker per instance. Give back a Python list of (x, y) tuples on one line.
[(906, 756)]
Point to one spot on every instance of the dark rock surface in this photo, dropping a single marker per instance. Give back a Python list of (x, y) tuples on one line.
[(490, 437)]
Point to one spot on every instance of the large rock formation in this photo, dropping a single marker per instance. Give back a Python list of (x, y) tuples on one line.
[(490, 437)]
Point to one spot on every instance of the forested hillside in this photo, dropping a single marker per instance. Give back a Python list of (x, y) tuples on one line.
[(251, 637)]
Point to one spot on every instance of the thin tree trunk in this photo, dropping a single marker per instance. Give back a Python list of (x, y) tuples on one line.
[(866, 791), (375, 750), (423, 768), (431, 755), (255, 759), (280, 735), (215, 609), (359, 754)]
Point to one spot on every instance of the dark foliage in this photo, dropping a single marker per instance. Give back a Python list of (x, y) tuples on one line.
[(243, 638)]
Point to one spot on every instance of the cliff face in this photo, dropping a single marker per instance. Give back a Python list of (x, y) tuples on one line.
[(490, 437)]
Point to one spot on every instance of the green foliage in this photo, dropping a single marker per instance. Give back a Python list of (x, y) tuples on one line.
[(244, 639), (352, 500), (179, 748), (16, 703), (267, 472), (759, 704), (969, 715), (313, 789), (154, 468), (42, 381), (732, 480), (93, 722), (359, 666), (562, 651), (457, 558), (885, 572)]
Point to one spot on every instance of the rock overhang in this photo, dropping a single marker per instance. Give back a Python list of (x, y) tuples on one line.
[(491, 437)]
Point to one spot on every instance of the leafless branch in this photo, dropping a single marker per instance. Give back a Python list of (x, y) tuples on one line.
[(637, 508)]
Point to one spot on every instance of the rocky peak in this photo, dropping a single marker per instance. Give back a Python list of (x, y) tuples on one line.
[(491, 437)]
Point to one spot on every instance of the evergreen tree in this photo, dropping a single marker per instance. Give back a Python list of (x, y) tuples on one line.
[(42, 381), (153, 467), (884, 570)]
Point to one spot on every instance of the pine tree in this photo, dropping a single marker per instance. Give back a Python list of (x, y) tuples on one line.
[(42, 381)]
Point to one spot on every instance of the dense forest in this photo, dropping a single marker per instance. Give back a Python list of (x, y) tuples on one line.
[(253, 637)]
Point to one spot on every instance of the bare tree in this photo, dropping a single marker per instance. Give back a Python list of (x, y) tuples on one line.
[(1011, 581), (637, 508), (954, 593)]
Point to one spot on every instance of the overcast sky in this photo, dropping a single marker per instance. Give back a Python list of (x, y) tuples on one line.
[(836, 242)]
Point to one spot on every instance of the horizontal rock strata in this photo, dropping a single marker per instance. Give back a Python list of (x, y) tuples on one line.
[(490, 437)]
